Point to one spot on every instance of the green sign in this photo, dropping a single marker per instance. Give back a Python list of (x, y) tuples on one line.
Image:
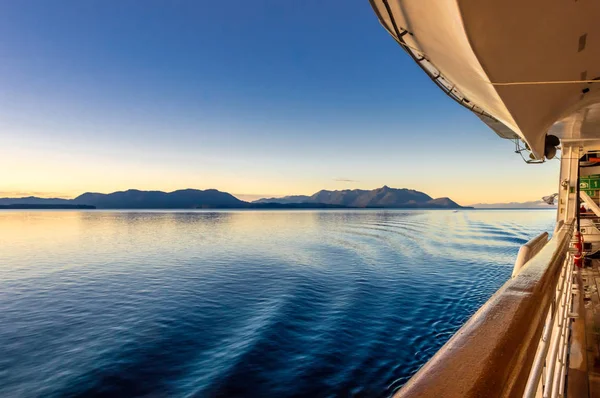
[(589, 184)]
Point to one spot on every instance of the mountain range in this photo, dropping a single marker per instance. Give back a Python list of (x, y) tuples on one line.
[(136, 199), (181, 199), (384, 197), (534, 204)]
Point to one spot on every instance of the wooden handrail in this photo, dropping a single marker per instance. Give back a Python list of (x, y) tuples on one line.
[(528, 251), (491, 355)]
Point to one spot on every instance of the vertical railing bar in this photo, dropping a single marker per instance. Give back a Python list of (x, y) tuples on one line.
[(540, 360), (559, 324), (553, 373), (561, 348), (561, 389)]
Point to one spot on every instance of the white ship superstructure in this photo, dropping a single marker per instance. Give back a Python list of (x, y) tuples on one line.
[(530, 70)]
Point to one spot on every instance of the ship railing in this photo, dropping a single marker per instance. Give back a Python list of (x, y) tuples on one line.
[(529, 250), (549, 370), (515, 344)]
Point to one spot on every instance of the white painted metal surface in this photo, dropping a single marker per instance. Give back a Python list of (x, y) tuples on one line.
[(591, 234), (532, 65), (567, 184), (527, 69), (590, 202), (548, 373)]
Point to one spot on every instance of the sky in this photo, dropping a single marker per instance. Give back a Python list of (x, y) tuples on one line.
[(256, 98)]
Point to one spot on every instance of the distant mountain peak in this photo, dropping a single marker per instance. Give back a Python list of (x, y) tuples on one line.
[(384, 197), (180, 199), (285, 199), (534, 204)]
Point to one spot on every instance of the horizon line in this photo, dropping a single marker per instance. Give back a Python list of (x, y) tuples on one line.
[(254, 197)]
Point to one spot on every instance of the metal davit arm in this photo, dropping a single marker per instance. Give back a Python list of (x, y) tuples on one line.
[(493, 353)]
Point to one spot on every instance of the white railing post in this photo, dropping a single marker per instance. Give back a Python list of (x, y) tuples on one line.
[(557, 355), (548, 371)]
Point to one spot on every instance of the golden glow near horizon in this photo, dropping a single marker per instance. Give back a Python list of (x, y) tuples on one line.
[(263, 116), (67, 171), (463, 198), (46, 179)]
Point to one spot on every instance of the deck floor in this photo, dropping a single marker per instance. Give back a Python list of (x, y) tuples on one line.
[(584, 358)]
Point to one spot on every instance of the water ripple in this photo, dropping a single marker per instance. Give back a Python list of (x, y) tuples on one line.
[(240, 303)]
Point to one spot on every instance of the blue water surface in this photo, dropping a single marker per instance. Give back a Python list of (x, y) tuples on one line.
[(241, 303)]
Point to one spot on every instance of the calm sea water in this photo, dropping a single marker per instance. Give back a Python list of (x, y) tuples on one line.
[(241, 304)]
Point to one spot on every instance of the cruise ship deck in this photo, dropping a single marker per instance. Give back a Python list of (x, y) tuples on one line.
[(529, 71), (583, 377)]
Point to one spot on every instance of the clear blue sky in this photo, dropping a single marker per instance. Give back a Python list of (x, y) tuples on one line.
[(251, 97)]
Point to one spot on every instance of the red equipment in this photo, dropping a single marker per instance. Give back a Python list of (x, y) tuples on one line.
[(578, 256)]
